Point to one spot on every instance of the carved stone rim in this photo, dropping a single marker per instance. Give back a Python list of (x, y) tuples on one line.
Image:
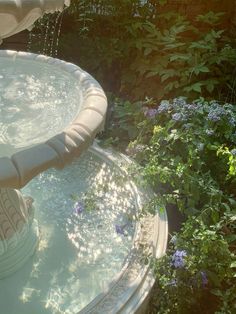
[(18, 15), (131, 286), (59, 150)]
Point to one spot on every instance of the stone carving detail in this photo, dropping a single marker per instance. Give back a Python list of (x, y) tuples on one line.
[(17, 238), (17, 15)]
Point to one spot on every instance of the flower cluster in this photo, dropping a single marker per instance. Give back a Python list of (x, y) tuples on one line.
[(164, 106), (120, 229), (178, 258), (150, 112), (78, 207), (178, 116)]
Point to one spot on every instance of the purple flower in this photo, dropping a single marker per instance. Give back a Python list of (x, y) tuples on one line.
[(204, 278), (150, 113), (178, 117), (233, 152), (164, 106), (178, 258), (190, 107), (179, 102), (232, 121), (78, 207), (119, 229), (216, 113)]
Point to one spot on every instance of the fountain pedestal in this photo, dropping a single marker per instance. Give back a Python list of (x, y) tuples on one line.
[(18, 231)]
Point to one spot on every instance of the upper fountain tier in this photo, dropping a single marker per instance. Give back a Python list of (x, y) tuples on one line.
[(18, 15)]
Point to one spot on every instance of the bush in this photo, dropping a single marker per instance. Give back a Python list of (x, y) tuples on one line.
[(187, 152), (135, 51)]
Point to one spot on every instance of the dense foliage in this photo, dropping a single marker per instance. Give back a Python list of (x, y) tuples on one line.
[(187, 152), (137, 48)]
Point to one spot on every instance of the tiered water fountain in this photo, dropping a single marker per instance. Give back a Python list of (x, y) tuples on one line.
[(81, 248)]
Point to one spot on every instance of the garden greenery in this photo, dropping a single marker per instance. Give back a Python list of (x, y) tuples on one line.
[(187, 153), (135, 51)]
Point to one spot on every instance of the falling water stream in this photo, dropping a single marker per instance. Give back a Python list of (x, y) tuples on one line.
[(44, 38)]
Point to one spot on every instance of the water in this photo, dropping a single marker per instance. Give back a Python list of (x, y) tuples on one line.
[(37, 101), (79, 252), (44, 38)]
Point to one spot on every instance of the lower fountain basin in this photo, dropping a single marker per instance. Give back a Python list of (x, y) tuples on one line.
[(93, 240)]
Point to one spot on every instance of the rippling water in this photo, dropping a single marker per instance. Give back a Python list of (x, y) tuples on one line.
[(86, 215), (37, 101)]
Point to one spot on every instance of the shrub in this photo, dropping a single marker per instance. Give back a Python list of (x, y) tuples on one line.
[(187, 152), (135, 51)]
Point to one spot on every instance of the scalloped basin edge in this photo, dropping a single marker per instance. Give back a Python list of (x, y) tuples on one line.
[(59, 150), (129, 291)]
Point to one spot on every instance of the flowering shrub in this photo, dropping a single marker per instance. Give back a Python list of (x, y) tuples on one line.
[(189, 159), (187, 152), (196, 276)]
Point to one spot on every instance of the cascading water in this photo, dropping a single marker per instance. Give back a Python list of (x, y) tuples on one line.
[(44, 37)]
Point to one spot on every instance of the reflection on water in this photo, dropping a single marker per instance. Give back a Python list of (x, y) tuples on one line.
[(80, 251), (37, 101)]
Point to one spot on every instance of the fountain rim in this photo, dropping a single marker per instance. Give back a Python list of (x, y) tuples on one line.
[(16, 171), (129, 290)]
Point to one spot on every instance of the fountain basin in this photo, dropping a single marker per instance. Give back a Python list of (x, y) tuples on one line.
[(18, 15), (38, 146), (85, 263)]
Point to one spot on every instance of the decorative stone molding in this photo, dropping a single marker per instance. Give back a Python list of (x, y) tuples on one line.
[(18, 231), (16, 171), (17, 15)]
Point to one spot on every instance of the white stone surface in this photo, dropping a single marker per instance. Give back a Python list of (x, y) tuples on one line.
[(18, 15)]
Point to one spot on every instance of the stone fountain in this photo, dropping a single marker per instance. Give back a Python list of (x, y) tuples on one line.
[(31, 154), (18, 230)]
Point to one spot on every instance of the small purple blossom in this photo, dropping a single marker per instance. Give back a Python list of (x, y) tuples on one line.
[(179, 102), (178, 258), (233, 152), (216, 113), (232, 121), (120, 229), (78, 207), (213, 116), (204, 278), (150, 113), (178, 117), (164, 106)]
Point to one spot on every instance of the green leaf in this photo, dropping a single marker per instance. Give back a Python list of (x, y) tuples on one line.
[(182, 57)]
